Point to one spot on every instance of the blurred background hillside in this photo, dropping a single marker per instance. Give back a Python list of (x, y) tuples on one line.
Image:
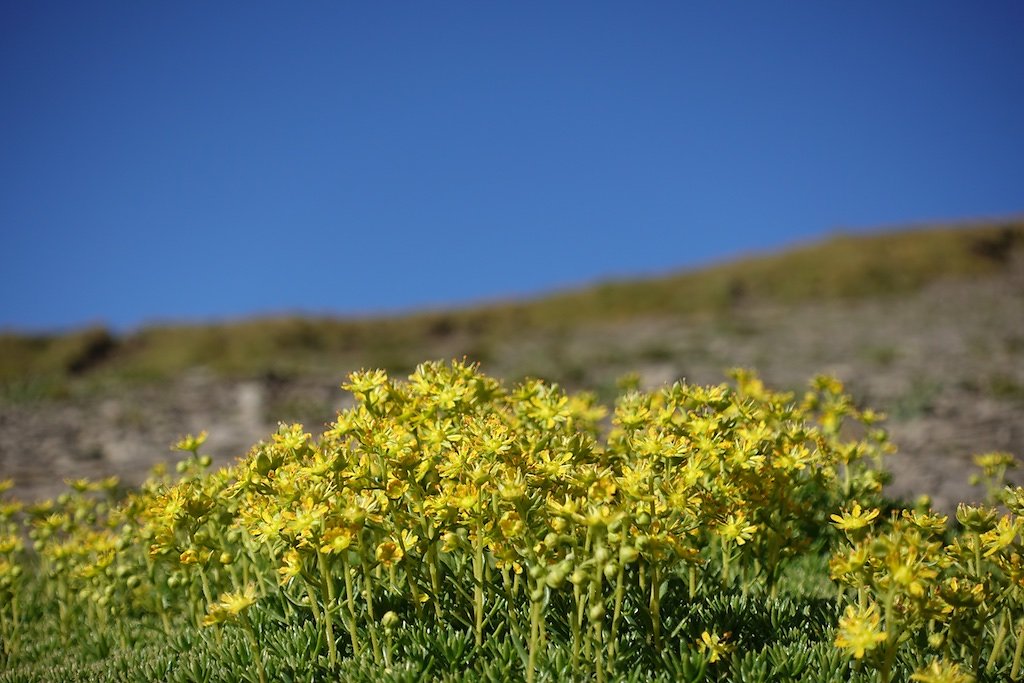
[(209, 215), (926, 325)]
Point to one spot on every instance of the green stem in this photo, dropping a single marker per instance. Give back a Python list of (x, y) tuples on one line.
[(531, 662), (368, 596), (327, 586), (620, 592), (351, 602), (314, 604), (892, 641), (655, 608), (435, 579), (997, 646), (478, 588), (1017, 652), (257, 655), (575, 621), (725, 564)]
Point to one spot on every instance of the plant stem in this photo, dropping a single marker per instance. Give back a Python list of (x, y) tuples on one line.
[(655, 608), (620, 591), (351, 602), (368, 596), (257, 655), (478, 587), (328, 589), (1017, 652), (997, 646), (531, 662)]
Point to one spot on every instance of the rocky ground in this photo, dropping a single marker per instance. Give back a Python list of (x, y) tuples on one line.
[(946, 363)]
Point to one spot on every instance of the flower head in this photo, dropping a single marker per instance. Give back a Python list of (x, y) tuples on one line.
[(230, 606), (859, 630), (715, 645), (855, 519)]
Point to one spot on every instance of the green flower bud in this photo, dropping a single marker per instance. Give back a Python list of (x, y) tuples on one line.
[(555, 578), (628, 554), (578, 577)]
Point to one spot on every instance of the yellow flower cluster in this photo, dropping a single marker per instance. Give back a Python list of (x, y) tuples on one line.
[(448, 493), (908, 580)]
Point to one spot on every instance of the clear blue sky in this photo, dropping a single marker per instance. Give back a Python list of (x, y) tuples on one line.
[(194, 161)]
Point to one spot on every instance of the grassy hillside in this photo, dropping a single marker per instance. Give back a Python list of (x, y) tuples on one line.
[(845, 267)]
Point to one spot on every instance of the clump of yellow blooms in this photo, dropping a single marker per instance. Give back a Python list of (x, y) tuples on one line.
[(436, 498), (910, 580)]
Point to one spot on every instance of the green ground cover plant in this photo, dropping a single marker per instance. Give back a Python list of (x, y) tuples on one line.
[(447, 527)]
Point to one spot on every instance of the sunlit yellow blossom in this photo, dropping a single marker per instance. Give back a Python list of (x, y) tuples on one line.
[(230, 606), (941, 671), (854, 519), (10, 544), (715, 645), (189, 443), (291, 566), (859, 630), (511, 525), (963, 593), (396, 488), (735, 529), (602, 490), (337, 539), (1004, 534), (848, 568), (992, 463), (189, 556), (389, 553)]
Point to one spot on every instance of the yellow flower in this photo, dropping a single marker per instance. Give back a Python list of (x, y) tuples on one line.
[(396, 488), (291, 565), (715, 644), (189, 556), (734, 529), (511, 525), (602, 490), (942, 671), (389, 552), (992, 463), (189, 443), (1001, 536), (855, 519), (337, 539), (859, 630), (230, 606)]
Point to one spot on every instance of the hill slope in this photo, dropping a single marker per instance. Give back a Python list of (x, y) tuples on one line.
[(927, 324)]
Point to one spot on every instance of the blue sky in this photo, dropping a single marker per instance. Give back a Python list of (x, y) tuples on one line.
[(196, 161)]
